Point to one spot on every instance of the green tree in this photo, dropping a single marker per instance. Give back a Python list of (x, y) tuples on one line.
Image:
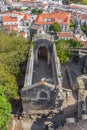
[(55, 27), (13, 51), (40, 11), (5, 110), (72, 1), (84, 2), (84, 29), (63, 50), (72, 25), (73, 43), (8, 81), (34, 11)]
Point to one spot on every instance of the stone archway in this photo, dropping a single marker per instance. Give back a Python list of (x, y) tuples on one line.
[(43, 52), (46, 45), (43, 95)]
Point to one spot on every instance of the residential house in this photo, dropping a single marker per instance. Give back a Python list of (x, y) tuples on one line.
[(46, 19), (64, 35), (83, 19), (16, 21), (35, 29), (85, 44)]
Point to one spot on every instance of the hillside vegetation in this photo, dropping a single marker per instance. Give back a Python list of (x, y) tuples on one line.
[(75, 1), (64, 49), (13, 50)]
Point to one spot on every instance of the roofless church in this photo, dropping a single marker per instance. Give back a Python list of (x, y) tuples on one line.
[(42, 91)]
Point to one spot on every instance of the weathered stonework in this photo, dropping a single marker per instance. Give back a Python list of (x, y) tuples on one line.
[(43, 84)]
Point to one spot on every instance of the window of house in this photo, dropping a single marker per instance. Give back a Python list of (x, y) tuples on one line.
[(47, 26), (48, 20), (52, 20), (60, 20), (45, 20)]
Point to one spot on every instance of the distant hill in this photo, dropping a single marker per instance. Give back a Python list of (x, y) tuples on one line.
[(84, 2), (75, 1)]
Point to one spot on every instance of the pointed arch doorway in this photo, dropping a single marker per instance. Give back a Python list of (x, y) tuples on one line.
[(43, 53)]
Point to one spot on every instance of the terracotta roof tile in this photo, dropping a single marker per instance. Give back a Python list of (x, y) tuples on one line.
[(61, 18), (65, 34), (15, 12), (23, 34), (26, 17), (9, 19), (85, 43), (84, 16)]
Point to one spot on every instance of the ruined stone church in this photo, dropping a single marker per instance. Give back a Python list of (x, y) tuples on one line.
[(42, 91)]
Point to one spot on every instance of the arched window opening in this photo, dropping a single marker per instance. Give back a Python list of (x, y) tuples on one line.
[(42, 53), (43, 95)]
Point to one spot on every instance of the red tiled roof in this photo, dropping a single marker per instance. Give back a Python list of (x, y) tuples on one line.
[(26, 17), (15, 12), (59, 11), (77, 38), (85, 44), (64, 34), (27, 2), (61, 18), (9, 19), (23, 34), (84, 16)]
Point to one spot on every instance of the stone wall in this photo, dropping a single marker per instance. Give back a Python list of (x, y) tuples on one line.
[(56, 67), (29, 69), (70, 78), (32, 101), (39, 43), (31, 97)]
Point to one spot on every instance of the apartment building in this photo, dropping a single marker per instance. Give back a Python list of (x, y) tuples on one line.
[(16, 21), (46, 19)]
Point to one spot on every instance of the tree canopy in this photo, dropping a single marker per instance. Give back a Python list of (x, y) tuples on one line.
[(55, 27), (72, 25), (64, 49), (8, 80), (73, 1), (37, 11), (5, 110), (84, 29), (13, 50)]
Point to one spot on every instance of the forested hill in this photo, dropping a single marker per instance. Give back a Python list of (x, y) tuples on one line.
[(75, 1)]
